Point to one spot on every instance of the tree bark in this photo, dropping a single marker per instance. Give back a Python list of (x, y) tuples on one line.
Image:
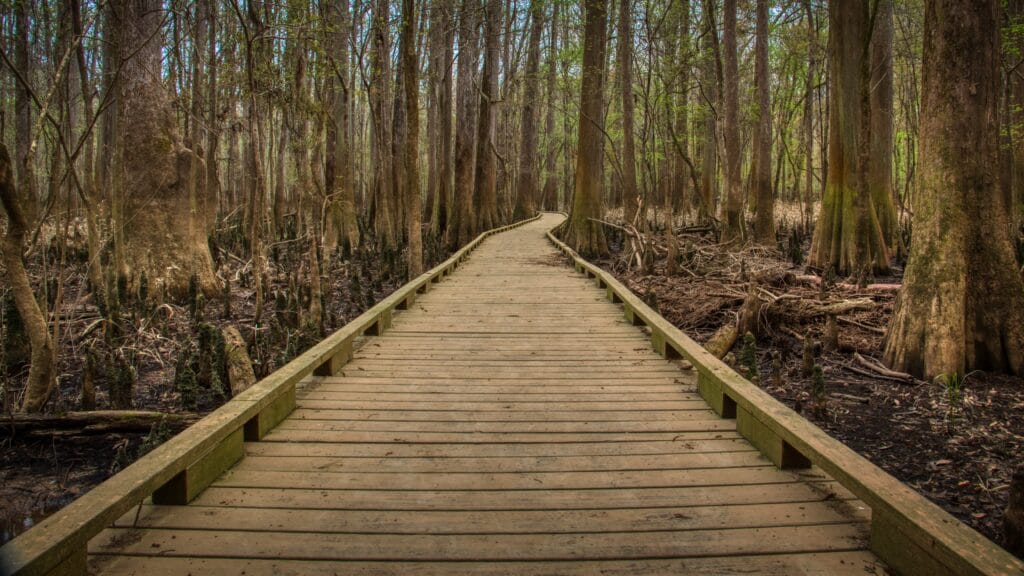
[(412, 156), (23, 108), (212, 121), (630, 194), (764, 223), (526, 188), (733, 228), (808, 115), (848, 236), (41, 376), (880, 159), (550, 191), (961, 307), (486, 160), (583, 234), (164, 237), (380, 104), (464, 227), (710, 92)]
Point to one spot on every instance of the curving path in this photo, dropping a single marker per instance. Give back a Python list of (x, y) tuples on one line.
[(511, 422)]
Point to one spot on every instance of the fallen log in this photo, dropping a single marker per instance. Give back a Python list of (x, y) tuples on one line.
[(816, 281), (96, 421)]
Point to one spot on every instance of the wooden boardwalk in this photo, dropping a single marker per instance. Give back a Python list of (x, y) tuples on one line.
[(510, 422)]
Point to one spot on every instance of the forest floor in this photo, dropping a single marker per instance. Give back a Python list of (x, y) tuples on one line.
[(956, 445), (45, 469)]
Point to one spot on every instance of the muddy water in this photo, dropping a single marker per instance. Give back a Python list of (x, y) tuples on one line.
[(13, 522)]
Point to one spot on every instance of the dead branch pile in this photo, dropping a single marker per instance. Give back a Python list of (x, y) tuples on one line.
[(720, 292)]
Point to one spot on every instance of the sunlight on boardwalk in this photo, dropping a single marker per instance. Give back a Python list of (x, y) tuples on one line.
[(511, 422)]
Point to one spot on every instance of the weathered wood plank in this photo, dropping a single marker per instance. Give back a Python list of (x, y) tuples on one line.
[(300, 461), (483, 522), (845, 563), (576, 480), (491, 415), (548, 450), (491, 438), (587, 546), (319, 499), (699, 422)]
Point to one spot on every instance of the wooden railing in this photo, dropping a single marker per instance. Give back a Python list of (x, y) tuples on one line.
[(908, 532), (178, 470)]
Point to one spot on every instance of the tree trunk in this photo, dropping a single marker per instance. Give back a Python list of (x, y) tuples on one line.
[(464, 226), (526, 189), (445, 121), (848, 236), (93, 198), (340, 226), (380, 104), (710, 84), (808, 116), (164, 238), (733, 226), (41, 376), (764, 223), (961, 307), (23, 108), (880, 180), (550, 191), (486, 160), (583, 234), (630, 194), (212, 121), (412, 156), (680, 131)]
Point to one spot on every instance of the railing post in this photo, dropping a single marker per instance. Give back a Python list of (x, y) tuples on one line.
[(333, 364), (710, 389), (768, 442), (270, 416), (188, 483)]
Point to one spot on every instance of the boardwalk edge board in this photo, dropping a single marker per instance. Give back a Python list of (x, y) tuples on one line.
[(908, 532), (179, 469)]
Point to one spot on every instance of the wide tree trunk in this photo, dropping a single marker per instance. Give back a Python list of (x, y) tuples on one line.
[(464, 227), (164, 235), (961, 307), (341, 225), (733, 228), (761, 178), (439, 116), (584, 234), (41, 375), (526, 188), (380, 114), (848, 236), (413, 208), (486, 160)]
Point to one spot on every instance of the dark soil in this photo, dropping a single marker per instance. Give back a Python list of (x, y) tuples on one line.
[(959, 452), (41, 472)]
